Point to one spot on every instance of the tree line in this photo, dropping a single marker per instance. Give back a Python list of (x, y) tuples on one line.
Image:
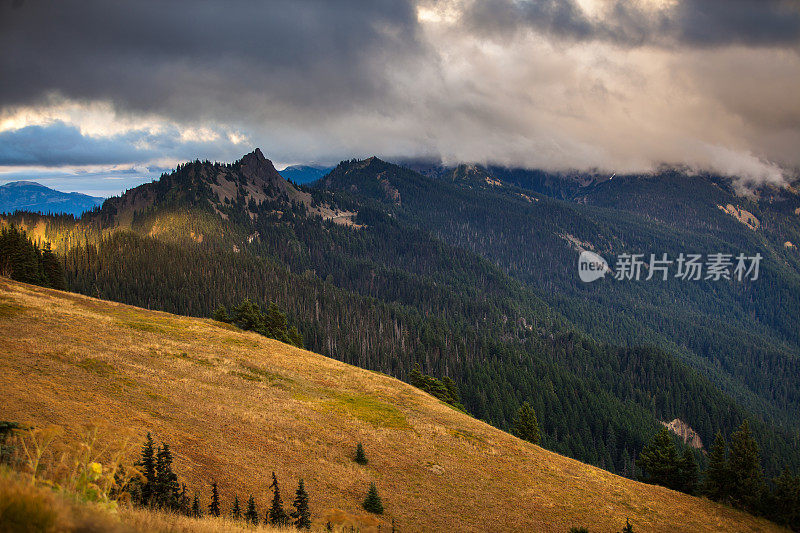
[(734, 475), (23, 260)]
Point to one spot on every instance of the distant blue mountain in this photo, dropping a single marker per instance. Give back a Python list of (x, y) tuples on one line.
[(304, 173), (31, 196)]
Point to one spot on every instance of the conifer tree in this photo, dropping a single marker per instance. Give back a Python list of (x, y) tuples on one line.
[(361, 457), (251, 515), (147, 464), (717, 482), (786, 500), (213, 507), (196, 512), (526, 426), (301, 514), (688, 472), (184, 506), (236, 512), (372, 502), (165, 490), (628, 527), (276, 515), (659, 461), (746, 475)]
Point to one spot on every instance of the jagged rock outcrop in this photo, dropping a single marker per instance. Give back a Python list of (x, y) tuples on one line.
[(684, 431)]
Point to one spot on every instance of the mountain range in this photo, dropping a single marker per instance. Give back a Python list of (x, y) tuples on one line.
[(471, 272), (33, 197)]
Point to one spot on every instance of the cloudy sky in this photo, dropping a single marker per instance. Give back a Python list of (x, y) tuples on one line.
[(100, 95)]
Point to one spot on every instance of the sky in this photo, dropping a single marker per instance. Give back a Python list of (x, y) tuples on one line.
[(100, 95)]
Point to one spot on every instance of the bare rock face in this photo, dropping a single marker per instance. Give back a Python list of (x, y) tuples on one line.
[(682, 429), (258, 169)]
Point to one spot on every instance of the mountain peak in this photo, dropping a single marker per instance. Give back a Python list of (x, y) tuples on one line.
[(254, 166), (22, 183)]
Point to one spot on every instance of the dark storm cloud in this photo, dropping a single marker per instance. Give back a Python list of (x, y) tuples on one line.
[(60, 144), (696, 23), (196, 59)]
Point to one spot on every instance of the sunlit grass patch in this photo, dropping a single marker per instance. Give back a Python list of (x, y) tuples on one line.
[(266, 374), (241, 342), (197, 360), (9, 308), (96, 366), (370, 410), (244, 375), (147, 327)]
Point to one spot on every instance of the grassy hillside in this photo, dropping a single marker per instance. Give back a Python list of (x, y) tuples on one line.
[(235, 406)]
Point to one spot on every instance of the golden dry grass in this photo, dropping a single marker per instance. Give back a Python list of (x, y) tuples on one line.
[(235, 406), (34, 508)]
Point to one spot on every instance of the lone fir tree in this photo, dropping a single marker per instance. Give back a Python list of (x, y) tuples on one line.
[(276, 515), (526, 426), (361, 457), (251, 515), (236, 511), (196, 512), (301, 514), (372, 502), (147, 463), (213, 507)]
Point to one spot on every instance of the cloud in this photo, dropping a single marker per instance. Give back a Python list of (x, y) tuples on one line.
[(59, 144), (570, 84), (704, 23)]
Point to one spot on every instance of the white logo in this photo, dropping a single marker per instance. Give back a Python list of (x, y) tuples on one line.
[(591, 266)]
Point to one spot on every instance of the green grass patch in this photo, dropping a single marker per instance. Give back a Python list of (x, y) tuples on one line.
[(96, 366), (266, 374), (146, 327), (375, 412), (9, 308), (244, 375), (242, 342)]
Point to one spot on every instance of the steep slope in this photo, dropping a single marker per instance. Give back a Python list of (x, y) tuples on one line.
[(722, 329), (31, 196), (235, 406)]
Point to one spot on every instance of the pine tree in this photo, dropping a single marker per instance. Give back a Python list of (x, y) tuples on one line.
[(301, 515), (221, 314), (688, 472), (184, 507), (213, 507), (628, 527), (276, 515), (361, 457), (659, 461), (147, 464), (526, 426), (718, 478), (785, 508), (251, 515), (196, 512), (295, 337), (372, 502), (165, 490), (747, 477), (236, 512)]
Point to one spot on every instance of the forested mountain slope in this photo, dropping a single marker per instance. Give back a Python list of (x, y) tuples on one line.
[(743, 336), (384, 268)]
